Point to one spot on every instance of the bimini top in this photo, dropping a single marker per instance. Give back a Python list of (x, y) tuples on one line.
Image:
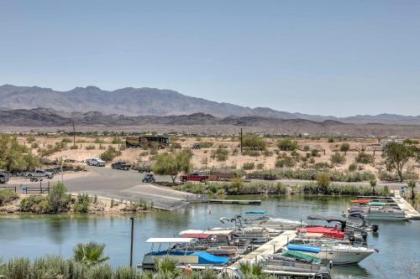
[(170, 240)]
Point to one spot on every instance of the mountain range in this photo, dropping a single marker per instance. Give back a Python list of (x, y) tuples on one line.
[(133, 102)]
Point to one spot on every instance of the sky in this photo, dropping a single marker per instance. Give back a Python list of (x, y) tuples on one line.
[(334, 57)]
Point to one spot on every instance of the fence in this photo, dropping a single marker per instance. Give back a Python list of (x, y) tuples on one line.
[(41, 189)]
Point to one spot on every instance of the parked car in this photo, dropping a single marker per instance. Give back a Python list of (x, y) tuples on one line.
[(95, 162), (4, 177), (148, 178), (38, 174), (121, 165), (195, 176), (144, 168)]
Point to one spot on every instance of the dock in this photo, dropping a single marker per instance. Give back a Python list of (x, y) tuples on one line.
[(405, 206), (244, 202), (267, 249)]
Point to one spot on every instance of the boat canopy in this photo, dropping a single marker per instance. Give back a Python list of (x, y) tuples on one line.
[(170, 240)]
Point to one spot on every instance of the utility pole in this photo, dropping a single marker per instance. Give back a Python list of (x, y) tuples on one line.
[(241, 139), (132, 242), (74, 133)]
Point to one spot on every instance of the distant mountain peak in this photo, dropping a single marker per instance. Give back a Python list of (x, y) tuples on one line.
[(146, 101)]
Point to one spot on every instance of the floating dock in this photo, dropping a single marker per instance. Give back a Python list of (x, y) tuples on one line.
[(252, 202), (267, 249), (405, 206)]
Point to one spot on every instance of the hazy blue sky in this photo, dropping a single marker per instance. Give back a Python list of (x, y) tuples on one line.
[(321, 57)]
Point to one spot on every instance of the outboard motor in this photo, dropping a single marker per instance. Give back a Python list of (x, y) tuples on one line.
[(364, 236), (375, 228)]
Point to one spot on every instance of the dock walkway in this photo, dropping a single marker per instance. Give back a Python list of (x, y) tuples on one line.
[(409, 210), (267, 249)]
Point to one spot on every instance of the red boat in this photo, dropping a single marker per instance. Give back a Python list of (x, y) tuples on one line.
[(361, 201), (328, 232)]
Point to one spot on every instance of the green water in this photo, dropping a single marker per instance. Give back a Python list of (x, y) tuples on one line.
[(34, 236)]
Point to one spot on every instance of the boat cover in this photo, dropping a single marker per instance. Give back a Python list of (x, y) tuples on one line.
[(329, 232), (377, 203), (207, 258), (301, 256), (303, 248), (361, 201)]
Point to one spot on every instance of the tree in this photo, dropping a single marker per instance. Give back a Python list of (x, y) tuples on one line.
[(90, 254), (345, 147), (396, 156), (14, 156), (172, 163), (412, 185)]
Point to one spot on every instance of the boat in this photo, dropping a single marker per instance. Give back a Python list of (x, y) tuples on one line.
[(185, 255), (255, 235), (385, 213), (293, 264), (338, 254)]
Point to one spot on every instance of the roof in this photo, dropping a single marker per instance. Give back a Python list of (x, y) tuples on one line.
[(170, 240)]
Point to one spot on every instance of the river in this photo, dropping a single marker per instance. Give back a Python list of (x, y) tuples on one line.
[(34, 236)]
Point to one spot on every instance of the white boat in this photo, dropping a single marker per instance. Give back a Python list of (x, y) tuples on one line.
[(344, 254), (338, 254)]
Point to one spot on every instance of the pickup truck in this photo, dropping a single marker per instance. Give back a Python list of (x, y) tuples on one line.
[(4, 177), (38, 175), (195, 176), (121, 165)]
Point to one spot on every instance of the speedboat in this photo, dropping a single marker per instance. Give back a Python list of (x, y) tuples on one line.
[(338, 254)]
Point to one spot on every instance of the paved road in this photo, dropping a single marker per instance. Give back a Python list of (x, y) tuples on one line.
[(124, 185)]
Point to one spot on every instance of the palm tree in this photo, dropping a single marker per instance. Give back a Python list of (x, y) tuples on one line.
[(412, 185), (90, 254)]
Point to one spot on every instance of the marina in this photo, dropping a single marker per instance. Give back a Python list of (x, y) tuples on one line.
[(58, 235)]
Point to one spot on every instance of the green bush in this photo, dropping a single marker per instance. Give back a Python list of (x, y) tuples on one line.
[(253, 142), (364, 158), (15, 156), (248, 166), (287, 145), (110, 154), (35, 204), (82, 204), (220, 154), (7, 196), (337, 159)]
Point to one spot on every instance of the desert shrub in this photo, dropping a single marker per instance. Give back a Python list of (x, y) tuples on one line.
[(364, 158), (30, 139), (35, 204), (66, 140), (248, 166), (73, 147), (337, 159), (116, 140), (220, 154), (267, 153), (287, 145), (306, 148), (34, 145), (253, 142), (82, 204), (390, 176), (110, 154), (260, 166), (285, 162), (90, 147), (315, 153), (344, 147), (206, 144), (7, 196), (58, 199), (251, 152), (352, 167), (99, 140), (322, 166), (176, 145)]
